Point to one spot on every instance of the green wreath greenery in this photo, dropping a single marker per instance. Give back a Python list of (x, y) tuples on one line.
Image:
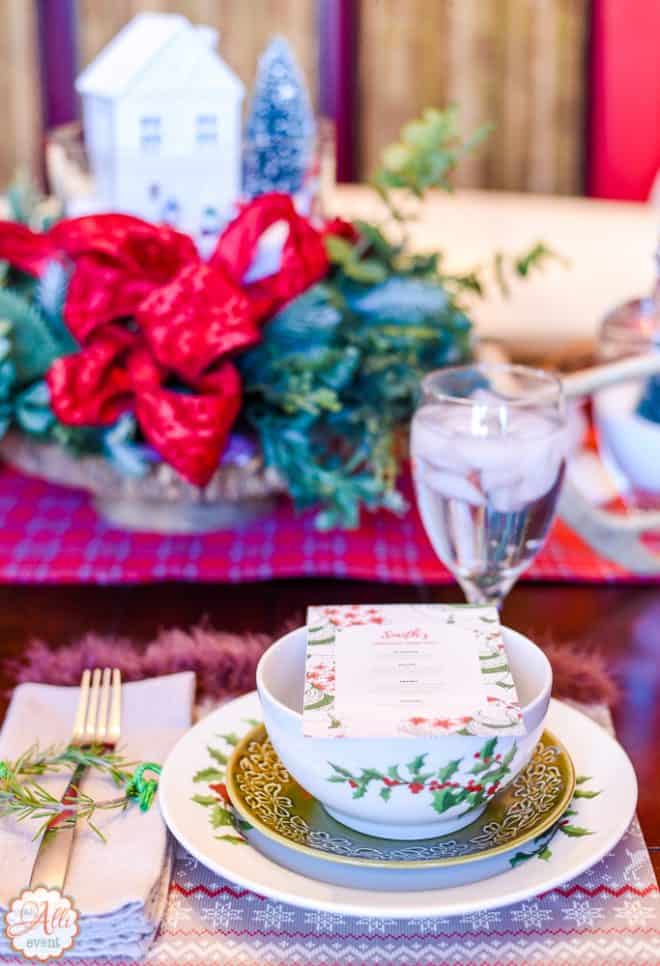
[(336, 376)]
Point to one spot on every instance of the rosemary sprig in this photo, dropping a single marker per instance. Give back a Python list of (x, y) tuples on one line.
[(23, 797)]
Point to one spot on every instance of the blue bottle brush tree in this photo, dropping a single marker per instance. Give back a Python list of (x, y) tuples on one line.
[(280, 126)]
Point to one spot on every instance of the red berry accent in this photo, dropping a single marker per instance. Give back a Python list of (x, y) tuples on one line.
[(352, 783), (478, 788), (415, 787), (220, 789), (477, 754)]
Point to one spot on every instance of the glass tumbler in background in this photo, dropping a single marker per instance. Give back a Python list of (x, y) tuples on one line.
[(488, 447)]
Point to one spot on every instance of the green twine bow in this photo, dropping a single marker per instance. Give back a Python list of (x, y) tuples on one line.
[(143, 789)]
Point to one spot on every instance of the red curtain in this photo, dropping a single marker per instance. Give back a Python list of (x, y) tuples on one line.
[(624, 103)]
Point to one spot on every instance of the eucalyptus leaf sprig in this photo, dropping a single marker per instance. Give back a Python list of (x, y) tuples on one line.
[(23, 797), (428, 151), (426, 154)]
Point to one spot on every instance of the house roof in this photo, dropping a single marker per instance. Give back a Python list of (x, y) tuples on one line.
[(137, 46)]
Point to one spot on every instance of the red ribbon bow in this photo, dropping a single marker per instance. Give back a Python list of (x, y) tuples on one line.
[(158, 326)]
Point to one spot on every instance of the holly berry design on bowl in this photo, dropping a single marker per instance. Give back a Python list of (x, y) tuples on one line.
[(459, 782)]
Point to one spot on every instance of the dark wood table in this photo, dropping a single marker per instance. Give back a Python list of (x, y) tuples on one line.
[(622, 622)]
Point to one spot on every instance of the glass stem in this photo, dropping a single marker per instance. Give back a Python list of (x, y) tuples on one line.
[(488, 589)]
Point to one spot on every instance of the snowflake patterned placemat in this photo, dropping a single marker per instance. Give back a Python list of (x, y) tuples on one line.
[(407, 670), (608, 915)]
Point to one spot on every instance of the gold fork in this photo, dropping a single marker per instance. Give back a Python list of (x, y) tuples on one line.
[(97, 724)]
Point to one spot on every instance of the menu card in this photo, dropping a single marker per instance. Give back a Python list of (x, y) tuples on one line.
[(407, 669)]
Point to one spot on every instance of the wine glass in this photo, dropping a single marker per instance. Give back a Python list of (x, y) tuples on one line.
[(488, 447)]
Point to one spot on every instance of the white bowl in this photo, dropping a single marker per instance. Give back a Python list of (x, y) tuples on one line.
[(381, 805)]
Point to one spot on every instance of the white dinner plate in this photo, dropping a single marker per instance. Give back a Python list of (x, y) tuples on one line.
[(597, 757)]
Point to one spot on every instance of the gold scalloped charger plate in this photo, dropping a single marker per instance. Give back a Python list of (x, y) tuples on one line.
[(271, 801), (191, 796)]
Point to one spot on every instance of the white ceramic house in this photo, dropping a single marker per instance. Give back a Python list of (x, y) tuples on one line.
[(162, 123)]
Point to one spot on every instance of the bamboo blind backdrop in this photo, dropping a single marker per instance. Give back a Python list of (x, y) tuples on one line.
[(517, 63)]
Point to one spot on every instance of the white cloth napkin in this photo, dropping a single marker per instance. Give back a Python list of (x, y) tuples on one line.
[(120, 887)]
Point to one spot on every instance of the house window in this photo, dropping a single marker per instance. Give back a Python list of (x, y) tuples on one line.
[(206, 129), (210, 222), (150, 133), (171, 212)]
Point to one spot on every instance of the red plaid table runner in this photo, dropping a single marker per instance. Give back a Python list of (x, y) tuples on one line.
[(49, 534)]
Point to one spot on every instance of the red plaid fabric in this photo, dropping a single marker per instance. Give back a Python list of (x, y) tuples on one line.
[(53, 535)]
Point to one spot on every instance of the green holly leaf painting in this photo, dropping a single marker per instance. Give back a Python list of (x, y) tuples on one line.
[(206, 800), (231, 738), (545, 854), (479, 767), (393, 773), (221, 816), (209, 775), (217, 755), (415, 766), (519, 858), (500, 669), (370, 774), (583, 793), (340, 770), (488, 749), (321, 703), (575, 831), (444, 800), (509, 756), (448, 770), (385, 793), (581, 779)]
